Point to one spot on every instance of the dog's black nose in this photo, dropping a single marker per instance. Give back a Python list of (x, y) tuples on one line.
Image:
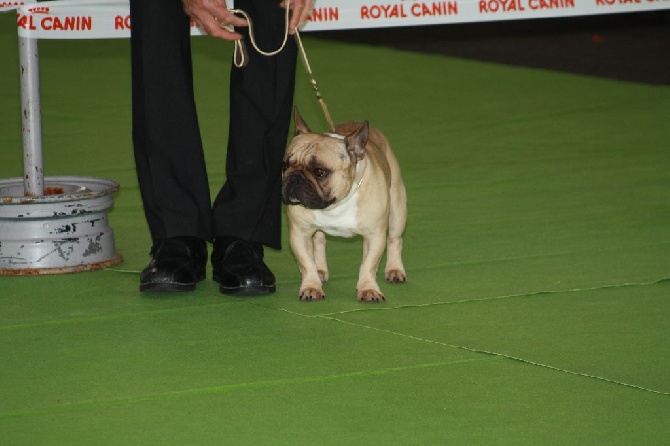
[(296, 179)]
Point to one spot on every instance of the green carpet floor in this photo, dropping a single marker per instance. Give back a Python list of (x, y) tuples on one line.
[(537, 248)]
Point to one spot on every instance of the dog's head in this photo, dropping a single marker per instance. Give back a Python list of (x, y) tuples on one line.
[(319, 168)]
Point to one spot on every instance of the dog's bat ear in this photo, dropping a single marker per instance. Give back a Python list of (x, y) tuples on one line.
[(357, 141), (300, 124)]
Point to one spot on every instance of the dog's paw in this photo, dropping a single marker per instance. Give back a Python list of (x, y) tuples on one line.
[(312, 293), (370, 296), (323, 275), (396, 276)]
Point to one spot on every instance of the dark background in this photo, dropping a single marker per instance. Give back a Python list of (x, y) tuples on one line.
[(627, 46)]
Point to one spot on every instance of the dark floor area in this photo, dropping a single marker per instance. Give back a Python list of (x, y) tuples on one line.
[(632, 47)]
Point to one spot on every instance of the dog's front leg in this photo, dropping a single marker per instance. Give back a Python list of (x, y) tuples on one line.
[(373, 249), (320, 255), (302, 246)]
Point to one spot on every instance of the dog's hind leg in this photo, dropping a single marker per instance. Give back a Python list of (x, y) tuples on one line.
[(395, 271)]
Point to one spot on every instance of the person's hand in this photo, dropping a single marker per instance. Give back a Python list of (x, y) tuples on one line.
[(212, 16), (300, 11)]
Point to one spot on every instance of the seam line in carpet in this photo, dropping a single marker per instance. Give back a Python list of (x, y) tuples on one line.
[(507, 296), (503, 355)]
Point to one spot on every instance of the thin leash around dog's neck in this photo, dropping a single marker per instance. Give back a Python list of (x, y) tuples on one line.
[(361, 167), (240, 57), (358, 163)]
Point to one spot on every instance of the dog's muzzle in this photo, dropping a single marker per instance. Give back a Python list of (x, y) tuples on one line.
[(298, 190), (290, 188)]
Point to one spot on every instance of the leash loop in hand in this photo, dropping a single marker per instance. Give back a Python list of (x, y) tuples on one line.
[(241, 56)]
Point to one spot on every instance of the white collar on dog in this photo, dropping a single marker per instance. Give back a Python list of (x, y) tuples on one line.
[(335, 135)]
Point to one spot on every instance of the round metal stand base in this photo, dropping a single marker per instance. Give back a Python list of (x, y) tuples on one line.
[(63, 231)]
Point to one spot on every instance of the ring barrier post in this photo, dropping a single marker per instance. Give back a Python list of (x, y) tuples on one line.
[(50, 225), (31, 117)]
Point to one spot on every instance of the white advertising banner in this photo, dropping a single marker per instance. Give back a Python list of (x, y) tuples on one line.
[(103, 19)]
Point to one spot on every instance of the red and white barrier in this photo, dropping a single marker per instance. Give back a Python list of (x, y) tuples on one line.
[(102, 19)]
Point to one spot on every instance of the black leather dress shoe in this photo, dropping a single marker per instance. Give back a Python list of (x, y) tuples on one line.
[(239, 268), (178, 264)]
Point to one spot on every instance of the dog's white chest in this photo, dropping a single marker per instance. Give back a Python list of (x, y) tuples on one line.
[(341, 221)]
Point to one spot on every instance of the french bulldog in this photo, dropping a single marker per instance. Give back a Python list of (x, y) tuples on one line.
[(345, 183)]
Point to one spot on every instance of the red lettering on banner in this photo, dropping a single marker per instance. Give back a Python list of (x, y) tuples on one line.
[(8, 4), (69, 23), (383, 12), (121, 22), (496, 6), (53, 23), (415, 9), (617, 2), (500, 5), (434, 9), (39, 10), (25, 22), (551, 4), (325, 14)]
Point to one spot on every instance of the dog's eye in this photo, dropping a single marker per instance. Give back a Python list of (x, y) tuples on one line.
[(284, 165), (320, 172)]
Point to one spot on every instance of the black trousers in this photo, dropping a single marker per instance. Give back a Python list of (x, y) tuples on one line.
[(168, 148)]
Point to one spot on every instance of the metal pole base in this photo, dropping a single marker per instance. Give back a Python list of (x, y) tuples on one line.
[(63, 231)]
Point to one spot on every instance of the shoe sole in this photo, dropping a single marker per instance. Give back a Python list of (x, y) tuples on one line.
[(244, 290), (166, 287), (170, 287), (248, 290)]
